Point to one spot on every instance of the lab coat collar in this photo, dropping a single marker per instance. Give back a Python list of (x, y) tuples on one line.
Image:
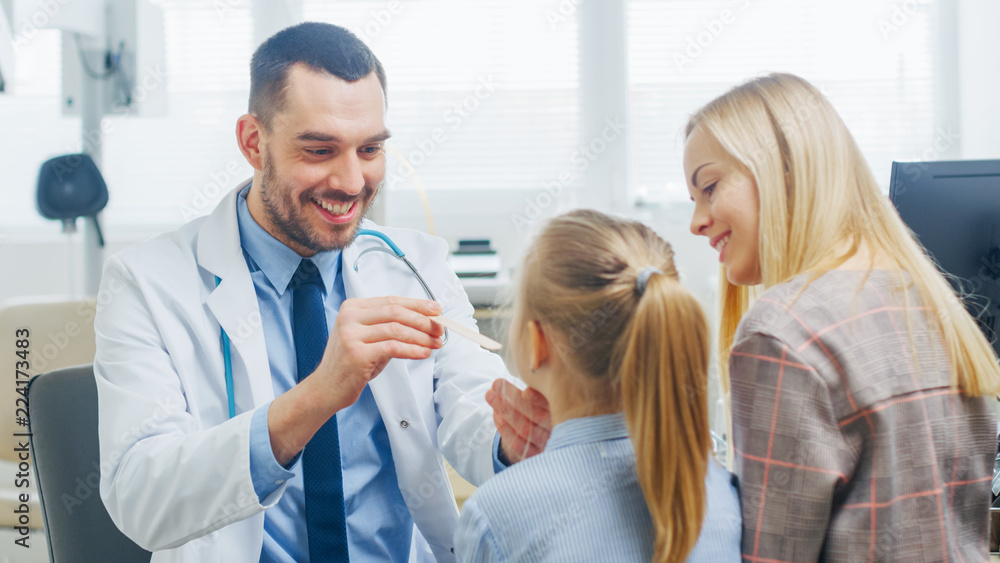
[(233, 301), (219, 249)]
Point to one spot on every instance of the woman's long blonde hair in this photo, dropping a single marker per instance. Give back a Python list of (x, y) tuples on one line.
[(644, 353), (818, 195)]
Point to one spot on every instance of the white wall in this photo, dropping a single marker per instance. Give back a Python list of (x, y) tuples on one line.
[(40, 264), (979, 78)]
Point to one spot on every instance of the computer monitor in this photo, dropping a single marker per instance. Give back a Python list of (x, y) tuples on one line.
[(953, 207)]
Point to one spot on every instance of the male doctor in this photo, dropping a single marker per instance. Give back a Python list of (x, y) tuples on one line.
[(346, 394)]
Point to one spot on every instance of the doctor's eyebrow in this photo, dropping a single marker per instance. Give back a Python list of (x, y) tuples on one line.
[(383, 136), (327, 138)]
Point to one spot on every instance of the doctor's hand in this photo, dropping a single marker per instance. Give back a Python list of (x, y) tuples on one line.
[(366, 335), (370, 332), (522, 419)]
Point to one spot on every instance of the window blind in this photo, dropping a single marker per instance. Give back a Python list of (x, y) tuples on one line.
[(872, 58), (482, 95)]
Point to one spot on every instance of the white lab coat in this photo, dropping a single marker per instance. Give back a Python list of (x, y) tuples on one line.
[(176, 470)]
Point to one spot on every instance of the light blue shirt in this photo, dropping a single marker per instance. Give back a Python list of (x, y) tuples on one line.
[(379, 526), (580, 500)]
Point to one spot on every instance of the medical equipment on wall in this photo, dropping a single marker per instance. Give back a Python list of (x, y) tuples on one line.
[(393, 250), (113, 64), (70, 187)]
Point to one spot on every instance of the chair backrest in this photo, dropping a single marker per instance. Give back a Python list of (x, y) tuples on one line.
[(66, 452)]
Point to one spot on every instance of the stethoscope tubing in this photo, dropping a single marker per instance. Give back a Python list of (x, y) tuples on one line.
[(228, 360)]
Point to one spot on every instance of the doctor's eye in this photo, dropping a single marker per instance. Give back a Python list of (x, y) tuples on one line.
[(372, 150), (318, 152)]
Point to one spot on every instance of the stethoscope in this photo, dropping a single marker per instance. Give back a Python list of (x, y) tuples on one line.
[(393, 250)]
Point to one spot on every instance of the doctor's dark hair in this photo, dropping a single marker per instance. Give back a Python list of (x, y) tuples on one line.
[(321, 46), (644, 352)]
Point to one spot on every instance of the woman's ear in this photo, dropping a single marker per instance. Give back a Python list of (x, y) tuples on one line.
[(539, 345), (248, 130)]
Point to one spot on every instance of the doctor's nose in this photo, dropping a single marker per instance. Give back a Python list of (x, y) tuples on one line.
[(347, 175), (700, 221)]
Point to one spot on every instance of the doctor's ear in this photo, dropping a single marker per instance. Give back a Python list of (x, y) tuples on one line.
[(539, 345), (248, 136)]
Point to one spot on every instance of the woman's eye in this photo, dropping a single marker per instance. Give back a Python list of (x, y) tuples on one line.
[(707, 190)]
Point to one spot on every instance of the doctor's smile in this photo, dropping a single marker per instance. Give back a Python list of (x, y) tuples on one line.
[(338, 213)]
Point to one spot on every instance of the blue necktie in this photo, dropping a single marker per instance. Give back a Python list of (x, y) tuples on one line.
[(321, 472)]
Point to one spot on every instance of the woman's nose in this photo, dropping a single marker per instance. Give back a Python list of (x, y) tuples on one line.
[(700, 220)]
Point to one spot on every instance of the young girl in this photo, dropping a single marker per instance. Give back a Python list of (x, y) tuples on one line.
[(603, 329), (857, 376)]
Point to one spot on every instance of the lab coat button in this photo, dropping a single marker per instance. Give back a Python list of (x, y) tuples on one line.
[(404, 424)]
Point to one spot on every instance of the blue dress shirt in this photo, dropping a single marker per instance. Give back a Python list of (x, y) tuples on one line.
[(580, 500), (379, 526)]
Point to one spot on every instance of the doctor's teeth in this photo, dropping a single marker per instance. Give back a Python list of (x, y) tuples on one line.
[(336, 209)]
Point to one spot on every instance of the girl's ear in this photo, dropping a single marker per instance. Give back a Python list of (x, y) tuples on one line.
[(539, 345)]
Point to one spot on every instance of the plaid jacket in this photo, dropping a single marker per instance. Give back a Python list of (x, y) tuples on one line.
[(850, 447)]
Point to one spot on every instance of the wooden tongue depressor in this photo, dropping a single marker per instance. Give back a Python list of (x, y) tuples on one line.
[(462, 330)]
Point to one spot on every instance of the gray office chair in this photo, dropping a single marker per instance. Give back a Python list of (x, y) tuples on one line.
[(66, 455)]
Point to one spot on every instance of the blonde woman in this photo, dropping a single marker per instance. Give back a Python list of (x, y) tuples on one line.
[(859, 422), (603, 329)]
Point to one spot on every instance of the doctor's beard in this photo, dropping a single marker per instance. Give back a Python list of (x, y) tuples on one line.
[(276, 196)]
